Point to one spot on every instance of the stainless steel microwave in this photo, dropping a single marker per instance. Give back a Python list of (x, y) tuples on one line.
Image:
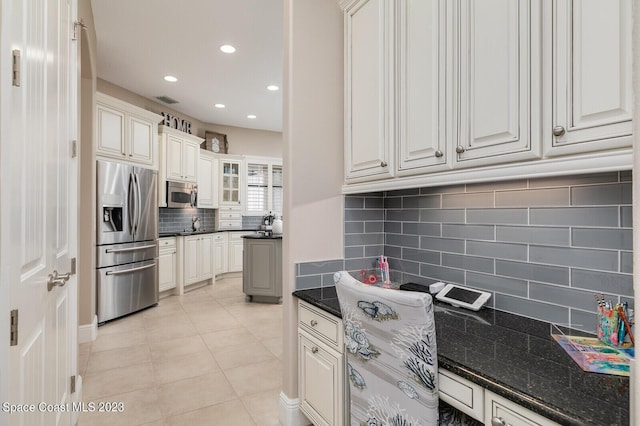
[(182, 195)]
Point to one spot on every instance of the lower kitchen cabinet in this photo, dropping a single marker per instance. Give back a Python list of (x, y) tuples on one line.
[(321, 367), (499, 411), (198, 258), (220, 253), (167, 264), (235, 250)]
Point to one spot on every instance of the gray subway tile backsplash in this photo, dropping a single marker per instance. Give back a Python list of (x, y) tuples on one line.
[(541, 246)]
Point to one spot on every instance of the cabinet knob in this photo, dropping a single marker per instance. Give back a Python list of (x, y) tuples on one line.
[(497, 421), (124, 155), (383, 164), (439, 153), (558, 131), (314, 323), (314, 350), (460, 149)]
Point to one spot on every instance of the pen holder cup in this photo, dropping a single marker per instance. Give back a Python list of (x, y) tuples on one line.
[(608, 326)]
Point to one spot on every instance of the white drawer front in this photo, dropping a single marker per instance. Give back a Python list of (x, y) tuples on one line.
[(501, 409), (230, 224), (461, 394), (323, 326)]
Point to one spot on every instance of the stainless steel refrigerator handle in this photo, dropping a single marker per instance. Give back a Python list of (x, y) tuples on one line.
[(123, 250), (136, 212), (128, 271), (131, 203), (138, 202)]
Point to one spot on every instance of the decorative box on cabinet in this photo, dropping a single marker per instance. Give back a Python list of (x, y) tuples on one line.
[(179, 159), (321, 366), (262, 269), (126, 132), (592, 92), (198, 258), (167, 264), (208, 180)]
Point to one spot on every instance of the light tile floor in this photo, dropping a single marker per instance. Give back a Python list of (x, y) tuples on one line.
[(205, 358)]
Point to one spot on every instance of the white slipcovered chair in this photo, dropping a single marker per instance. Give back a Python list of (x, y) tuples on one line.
[(392, 362)]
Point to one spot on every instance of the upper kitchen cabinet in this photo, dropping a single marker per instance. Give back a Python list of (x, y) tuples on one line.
[(422, 38), (208, 180), (592, 93), (181, 153), (231, 180), (498, 102), (368, 134), (126, 132)]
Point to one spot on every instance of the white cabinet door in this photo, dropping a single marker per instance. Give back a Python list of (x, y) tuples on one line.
[(167, 273), (499, 81), (110, 132), (190, 156), (190, 269), (142, 136), (320, 382), (422, 33), (174, 158), (231, 172), (369, 92), (205, 257), (235, 256), (207, 181), (592, 90), (498, 410), (220, 257)]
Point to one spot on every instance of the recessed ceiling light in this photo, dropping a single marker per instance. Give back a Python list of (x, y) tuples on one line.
[(273, 87), (227, 48), (220, 105), (251, 116), (170, 78)]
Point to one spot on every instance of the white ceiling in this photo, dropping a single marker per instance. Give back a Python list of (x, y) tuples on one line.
[(141, 41)]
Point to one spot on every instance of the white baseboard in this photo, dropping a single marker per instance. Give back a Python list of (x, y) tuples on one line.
[(289, 412), (89, 332)]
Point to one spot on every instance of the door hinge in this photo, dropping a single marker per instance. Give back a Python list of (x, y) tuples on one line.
[(73, 384), (16, 68), (14, 328), (74, 149), (73, 266), (76, 25)]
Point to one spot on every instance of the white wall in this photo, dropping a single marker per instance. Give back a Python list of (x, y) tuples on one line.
[(241, 140), (313, 151)]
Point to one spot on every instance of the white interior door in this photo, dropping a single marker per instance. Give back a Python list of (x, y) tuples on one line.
[(39, 177)]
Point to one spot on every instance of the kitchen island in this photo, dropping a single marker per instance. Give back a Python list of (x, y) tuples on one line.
[(262, 268), (516, 358)]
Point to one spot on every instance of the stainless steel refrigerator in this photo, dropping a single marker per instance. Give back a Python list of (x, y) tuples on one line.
[(127, 239)]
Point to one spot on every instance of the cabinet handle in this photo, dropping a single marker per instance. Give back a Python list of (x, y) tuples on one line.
[(383, 164), (558, 131), (124, 155), (498, 421), (314, 350), (314, 323), (460, 149), (439, 154)]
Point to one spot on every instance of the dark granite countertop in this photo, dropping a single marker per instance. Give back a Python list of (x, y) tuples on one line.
[(515, 357), (260, 236), (206, 231)]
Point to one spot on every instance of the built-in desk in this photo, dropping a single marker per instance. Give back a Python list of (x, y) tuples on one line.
[(515, 358)]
